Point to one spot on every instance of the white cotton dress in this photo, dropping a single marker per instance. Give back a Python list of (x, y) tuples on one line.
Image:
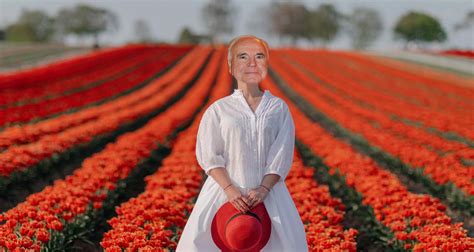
[(249, 145)]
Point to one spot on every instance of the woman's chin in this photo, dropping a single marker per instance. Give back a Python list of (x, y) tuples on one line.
[(254, 80)]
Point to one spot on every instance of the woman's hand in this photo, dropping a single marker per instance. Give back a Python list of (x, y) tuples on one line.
[(255, 196), (236, 198)]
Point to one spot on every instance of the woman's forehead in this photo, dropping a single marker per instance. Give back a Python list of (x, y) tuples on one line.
[(248, 45)]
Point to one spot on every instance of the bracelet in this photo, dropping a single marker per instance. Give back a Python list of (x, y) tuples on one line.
[(227, 186), (266, 188)]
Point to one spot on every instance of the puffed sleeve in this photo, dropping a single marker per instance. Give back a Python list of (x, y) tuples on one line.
[(280, 155), (209, 141)]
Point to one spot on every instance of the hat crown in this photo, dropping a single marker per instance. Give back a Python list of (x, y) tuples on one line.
[(243, 232), (234, 231)]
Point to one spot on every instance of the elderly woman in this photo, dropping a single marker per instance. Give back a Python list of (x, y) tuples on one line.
[(245, 144)]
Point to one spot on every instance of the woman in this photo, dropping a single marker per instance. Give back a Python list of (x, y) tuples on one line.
[(245, 143)]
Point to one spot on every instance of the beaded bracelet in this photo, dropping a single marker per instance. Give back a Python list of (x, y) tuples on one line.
[(266, 188), (227, 186)]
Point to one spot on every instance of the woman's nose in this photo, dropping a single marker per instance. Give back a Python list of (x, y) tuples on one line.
[(252, 62)]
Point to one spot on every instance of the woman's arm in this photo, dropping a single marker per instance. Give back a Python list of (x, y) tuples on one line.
[(280, 155), (259, 194), (235, 197), (270, 180), (221, 176)]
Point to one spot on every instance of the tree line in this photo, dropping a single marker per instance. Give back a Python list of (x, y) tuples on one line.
[(81, 21), (290, 22), (293, 21)]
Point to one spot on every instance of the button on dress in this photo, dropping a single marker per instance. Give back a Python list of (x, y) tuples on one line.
[(248, 145)]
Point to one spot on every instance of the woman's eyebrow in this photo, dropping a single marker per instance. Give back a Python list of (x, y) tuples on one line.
[(244, 53)]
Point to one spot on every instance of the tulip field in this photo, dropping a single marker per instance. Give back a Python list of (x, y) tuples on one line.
[(97, 151)]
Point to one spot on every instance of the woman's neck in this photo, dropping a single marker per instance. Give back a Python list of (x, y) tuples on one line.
[(250, 90)]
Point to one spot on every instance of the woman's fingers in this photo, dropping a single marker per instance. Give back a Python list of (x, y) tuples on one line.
[(248, 201), (239, 204), (236, 206), (254, 198), (244, 205), (240, 207), (255, 202)]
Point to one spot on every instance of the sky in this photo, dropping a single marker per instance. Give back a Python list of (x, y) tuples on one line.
[(166, 18)]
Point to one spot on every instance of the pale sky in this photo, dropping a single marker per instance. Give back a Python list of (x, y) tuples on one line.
[(166, 18)]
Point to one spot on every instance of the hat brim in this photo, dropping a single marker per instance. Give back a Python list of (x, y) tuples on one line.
[(225, 212)]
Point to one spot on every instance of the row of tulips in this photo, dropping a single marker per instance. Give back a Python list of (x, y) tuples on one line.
[(321, 214), (154, 220), (436, 81), (418, 221), (441, 169), (344, 90), (23, 134), (455, 150), (450, 105), (117, 66), (463, 53), (432, 105), (107, 90), (424, 93), (349, 84), (383, 88), (50, 218), (65, 68), (450, 88), (20, 158)]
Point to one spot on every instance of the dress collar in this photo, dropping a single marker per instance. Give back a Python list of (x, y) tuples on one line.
[(240, 96), (239, 92)]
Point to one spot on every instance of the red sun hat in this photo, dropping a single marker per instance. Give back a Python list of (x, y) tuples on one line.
[(234, 231)]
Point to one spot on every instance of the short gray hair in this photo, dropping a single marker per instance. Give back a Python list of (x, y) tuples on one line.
[(237, 39)]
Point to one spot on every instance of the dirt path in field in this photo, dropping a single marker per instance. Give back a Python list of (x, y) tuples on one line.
[(453, 64), (43, 61)]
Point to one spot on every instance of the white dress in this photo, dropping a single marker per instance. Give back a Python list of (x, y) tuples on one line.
[(249, 145)]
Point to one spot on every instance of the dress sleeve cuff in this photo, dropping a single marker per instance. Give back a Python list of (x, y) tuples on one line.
[(209, 168), (277, 173)]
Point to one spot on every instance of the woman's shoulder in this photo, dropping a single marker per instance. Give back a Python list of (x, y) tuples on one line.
[(223, 100), (226, 100), (277, 102), (216, 106)]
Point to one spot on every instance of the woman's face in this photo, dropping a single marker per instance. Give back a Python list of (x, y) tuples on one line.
[(249, 61)]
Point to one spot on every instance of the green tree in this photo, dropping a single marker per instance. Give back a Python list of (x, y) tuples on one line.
[(84, 20), (364, 26), (188, 37), (34, 25), (324, 23), (219, 17), (419, 27), (289, 20)]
